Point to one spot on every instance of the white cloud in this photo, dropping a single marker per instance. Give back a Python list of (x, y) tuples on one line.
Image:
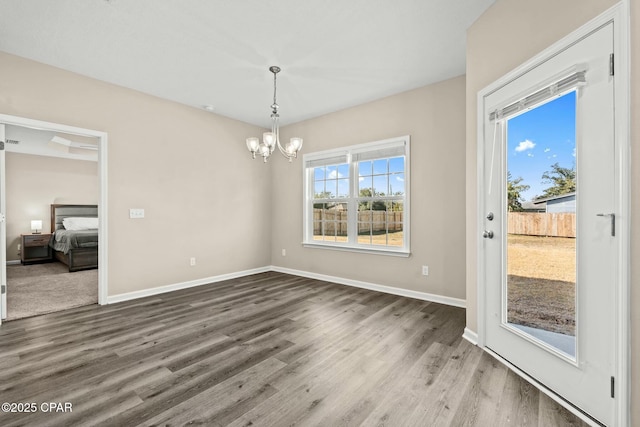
[(334, 174), (525, 145), (400, 179), (529, 155), (574, 152), (546, 150), (360, 179)]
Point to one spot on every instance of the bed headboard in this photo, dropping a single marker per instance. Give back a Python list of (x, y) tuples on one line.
[(60, 212)]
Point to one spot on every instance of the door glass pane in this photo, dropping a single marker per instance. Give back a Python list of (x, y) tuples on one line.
[(541, 224)]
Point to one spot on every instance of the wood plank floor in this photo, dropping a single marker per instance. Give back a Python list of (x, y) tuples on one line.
[(264, 350)]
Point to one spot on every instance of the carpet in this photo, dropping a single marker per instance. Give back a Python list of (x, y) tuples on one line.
[(45, 288)]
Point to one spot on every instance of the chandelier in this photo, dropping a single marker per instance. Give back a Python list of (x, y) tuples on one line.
[(271, 139)]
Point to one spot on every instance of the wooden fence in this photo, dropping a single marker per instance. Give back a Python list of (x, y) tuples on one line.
[(374, 221), (542, 224)]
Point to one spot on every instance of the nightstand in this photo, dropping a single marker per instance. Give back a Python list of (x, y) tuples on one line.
[(35, 248)]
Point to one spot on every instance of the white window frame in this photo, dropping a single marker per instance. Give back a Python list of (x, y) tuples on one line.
[(349, 153)]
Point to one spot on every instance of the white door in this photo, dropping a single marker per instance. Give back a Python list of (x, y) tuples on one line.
[(550, 261), (3, 230)]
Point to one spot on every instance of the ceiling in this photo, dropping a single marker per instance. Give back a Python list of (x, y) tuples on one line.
[(333, 53), (24, 140)]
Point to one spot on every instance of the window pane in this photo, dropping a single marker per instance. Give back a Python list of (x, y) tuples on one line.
[(365, 168), (331, 188), (380, 166), (318, 190), (396, 184), (541, 281), (380, 185), (332, 172), (366, 184), (364, 233), (396, 164), (342, 231), (343, 171), (378, 227), (318, 173), (343, 188), (396, 234)]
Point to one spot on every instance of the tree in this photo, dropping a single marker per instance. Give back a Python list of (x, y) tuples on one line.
[(562, 180), (514, 188), (376, 205)]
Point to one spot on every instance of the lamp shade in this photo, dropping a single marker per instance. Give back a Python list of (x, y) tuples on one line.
[(36, 224)]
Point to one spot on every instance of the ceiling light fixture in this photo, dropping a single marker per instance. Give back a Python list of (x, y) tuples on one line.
[(271, 139)]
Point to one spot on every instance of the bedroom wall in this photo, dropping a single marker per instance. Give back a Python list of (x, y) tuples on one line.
[(491, 54), (189, 169), (33, 183), (434, 118)]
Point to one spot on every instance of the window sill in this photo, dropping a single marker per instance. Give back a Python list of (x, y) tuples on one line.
[(346, 248)]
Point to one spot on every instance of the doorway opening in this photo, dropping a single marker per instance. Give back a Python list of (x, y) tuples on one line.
[(45, 166)]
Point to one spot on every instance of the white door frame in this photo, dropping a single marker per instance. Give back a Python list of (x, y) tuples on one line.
[(619, 15), (102, 179)]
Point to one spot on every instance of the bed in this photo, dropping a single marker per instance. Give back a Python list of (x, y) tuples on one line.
[(77, 247)]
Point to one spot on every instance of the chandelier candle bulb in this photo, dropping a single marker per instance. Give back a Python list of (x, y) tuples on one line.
[(272, 139)]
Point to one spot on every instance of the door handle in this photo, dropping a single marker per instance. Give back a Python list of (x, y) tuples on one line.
[(487, 234), (613, 222)]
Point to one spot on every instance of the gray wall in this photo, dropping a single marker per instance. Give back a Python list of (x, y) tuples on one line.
[(189, 169), (33, 183), (434, 118)]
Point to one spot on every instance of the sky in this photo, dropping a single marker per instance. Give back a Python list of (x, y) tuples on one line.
[(539, 138)]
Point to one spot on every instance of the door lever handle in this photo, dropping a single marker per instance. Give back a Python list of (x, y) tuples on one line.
[(613, 221)]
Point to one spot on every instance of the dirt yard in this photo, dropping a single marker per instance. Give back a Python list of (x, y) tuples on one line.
[(541, 282), (395, 239)]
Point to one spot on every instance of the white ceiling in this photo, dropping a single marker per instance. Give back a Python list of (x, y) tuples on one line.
[(333, 53), (38, 142)]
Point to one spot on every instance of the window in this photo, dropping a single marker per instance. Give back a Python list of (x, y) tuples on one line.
[(357, 198)]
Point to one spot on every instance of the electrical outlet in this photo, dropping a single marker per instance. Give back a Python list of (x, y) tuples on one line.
[(425, 270), (19, 247), (284, 252), (192, 261)]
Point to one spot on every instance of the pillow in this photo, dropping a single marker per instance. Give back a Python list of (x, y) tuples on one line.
[(79, 223)]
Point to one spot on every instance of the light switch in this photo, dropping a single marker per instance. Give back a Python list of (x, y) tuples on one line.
[(136, 213)]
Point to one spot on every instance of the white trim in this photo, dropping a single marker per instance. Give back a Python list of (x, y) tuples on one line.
[(455, 302), (13, 262), (470, 336), (3, 226), (619, 14), (347, 248), (543, 389), (103, 284), (184, 285), (622, 64)]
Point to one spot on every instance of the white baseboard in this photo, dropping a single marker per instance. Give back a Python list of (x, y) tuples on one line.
[(340, 280), (183, 285), (456, 302), (470, 336), (14, 262)]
